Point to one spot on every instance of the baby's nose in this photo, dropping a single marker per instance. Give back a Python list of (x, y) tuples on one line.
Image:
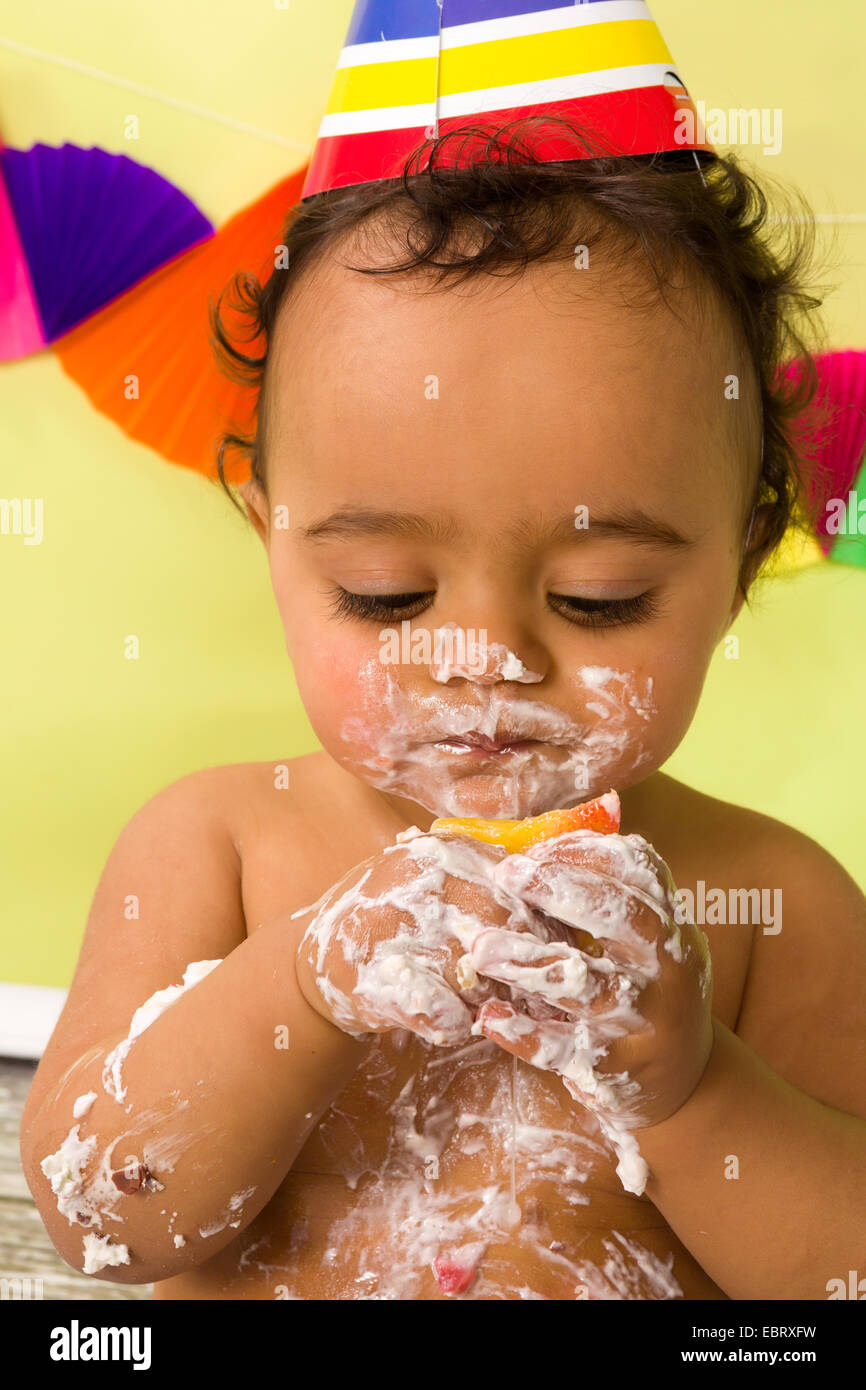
[(467, 654)]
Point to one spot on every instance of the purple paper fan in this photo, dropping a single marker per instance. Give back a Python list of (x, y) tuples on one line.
[(92, 225)]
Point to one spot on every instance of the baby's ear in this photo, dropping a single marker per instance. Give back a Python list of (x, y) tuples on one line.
[(759, 550), (255, 502)]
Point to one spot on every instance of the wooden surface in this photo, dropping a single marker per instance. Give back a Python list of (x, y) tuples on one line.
[(25, 1249)]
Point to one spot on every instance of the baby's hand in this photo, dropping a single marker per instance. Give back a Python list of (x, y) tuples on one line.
[(387, 947), (625, 1022)]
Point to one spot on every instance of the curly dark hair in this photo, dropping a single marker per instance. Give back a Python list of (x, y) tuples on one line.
[(678, 208)]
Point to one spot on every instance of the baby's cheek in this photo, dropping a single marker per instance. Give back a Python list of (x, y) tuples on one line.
[(677, 690), (620, 715), (636, 715), (327, 675)]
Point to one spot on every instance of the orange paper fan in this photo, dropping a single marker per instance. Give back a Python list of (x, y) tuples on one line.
[(146, 360)]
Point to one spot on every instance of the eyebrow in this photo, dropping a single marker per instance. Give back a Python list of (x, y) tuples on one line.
[(634, 525), (346, 525)]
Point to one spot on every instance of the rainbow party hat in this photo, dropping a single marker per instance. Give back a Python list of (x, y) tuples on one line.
[(414, 70)]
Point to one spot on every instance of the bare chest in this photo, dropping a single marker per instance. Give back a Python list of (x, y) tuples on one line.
[(463, 1160)]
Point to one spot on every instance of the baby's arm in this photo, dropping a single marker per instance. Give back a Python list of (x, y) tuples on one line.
[(761, 1172), (218, 1092), (755, 1139)]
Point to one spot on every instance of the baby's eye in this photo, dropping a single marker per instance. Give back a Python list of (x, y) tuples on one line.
[(379, 606), (604, 612)]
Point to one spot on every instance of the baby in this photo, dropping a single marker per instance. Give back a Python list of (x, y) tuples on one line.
[(521, 451)]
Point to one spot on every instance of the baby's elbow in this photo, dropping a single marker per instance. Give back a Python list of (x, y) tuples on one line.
[(103, 1255), (93, 1248)]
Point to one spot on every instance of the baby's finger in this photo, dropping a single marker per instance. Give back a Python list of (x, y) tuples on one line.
[(584, 898), (517, 1033), (561, 975), (561, 1048), (629, 859), (400, 991)]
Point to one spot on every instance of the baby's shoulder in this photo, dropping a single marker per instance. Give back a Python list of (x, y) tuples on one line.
[(704, 829), (292, 823), (807, 913), (252, 797)]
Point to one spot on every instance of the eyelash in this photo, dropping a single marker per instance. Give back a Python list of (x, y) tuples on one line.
[(380, 606), (618, 612), (614, 612)]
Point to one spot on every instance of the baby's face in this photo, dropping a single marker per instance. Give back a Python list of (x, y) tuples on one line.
[(515, 517)]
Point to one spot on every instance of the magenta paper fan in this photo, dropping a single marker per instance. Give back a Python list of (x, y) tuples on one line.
[(78, 227), (836, 483)]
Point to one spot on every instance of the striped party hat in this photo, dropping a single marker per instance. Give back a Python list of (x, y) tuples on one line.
[(414, 70)]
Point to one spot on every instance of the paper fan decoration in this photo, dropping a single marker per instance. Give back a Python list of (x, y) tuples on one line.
[(78, 228), (115, 267), (832, 435), (842, 527), (422, 68), (157, 337)]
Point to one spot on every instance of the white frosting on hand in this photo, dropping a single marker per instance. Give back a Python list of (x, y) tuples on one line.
[(399, 979)]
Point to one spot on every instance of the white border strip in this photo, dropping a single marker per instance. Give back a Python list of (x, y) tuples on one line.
[(28, 1015), (581, 84), (383, 118), (361, 55)]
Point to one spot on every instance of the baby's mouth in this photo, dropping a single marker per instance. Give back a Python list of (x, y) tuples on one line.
[(483, 745)]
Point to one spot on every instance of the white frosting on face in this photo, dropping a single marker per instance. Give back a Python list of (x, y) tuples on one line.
[(398, 741), (460, 653)]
